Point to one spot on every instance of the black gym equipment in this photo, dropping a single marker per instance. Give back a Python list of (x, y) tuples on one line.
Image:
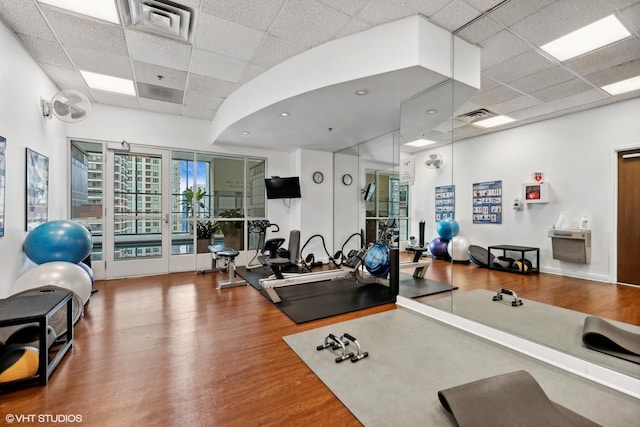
[(480, 256), (516, 301)]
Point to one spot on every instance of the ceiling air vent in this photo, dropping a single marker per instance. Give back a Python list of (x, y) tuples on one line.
[(476, 115), (161, 17), (160, 93)]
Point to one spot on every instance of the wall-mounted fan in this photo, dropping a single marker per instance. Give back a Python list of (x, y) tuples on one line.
[(67, 105), (434, 161)]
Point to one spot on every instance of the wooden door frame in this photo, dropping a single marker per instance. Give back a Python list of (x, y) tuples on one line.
[(613, 208)]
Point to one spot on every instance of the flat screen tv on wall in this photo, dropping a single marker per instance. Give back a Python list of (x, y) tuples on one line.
[(282, 188)]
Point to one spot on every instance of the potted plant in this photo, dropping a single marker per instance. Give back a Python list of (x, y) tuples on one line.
[(190, 197), (205, 230), (231, 229)]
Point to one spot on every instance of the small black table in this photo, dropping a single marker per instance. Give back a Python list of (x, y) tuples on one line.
[(39, 308), (522, 250)]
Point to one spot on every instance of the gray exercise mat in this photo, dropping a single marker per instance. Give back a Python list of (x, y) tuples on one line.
[(602, 336), (512, 399)]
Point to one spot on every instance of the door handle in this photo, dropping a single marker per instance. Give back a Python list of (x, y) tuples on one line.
[(166, 218)]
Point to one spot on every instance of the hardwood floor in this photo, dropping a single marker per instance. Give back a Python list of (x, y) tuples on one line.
[(174, 351)]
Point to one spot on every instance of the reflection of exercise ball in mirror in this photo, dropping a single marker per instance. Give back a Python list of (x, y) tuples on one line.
[(376, 261)]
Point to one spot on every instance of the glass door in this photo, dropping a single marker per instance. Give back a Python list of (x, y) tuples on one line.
[(137, 237)]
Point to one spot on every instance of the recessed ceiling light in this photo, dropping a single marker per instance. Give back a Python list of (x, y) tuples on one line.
[(108, 83), (586, 39), (101, 9), (623, 86), (245, 132), (361, 92), (431, 111), (493, 121), (284, 114), (420, 143)]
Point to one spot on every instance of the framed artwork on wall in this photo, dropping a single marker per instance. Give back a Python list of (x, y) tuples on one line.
[(37, 190), (3, 163)]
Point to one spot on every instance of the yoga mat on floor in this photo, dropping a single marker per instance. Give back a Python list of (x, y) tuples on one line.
[(555, 327), (412, 357), (512, 399), (412, 287), (312, 301), (600, 335)]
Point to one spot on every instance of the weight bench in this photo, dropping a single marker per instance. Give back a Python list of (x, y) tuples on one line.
[(227, 255)]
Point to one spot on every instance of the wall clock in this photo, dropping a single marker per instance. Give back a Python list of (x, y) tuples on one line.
[(347, 179), (318, 177)]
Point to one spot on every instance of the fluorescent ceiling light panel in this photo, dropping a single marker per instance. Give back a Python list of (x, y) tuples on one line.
[(623, 86), (101, 9), (419, 143), (493, 121), (586, 39), (108, 83)]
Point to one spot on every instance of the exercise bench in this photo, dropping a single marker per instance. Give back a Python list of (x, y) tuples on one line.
[(227, 255)]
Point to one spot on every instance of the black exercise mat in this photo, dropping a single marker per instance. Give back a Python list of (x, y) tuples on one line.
[(602, 336), (512, 399), (412, 287), (312, 301), (254, 275)]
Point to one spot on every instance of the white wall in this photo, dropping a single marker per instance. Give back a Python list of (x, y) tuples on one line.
[(573, 151), (22, 84)]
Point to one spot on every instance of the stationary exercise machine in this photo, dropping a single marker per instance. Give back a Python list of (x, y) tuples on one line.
[(228, 256)]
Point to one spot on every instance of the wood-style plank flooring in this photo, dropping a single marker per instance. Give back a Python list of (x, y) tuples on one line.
[(174, 351)]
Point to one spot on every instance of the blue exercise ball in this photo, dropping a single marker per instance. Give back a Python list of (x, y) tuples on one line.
[(59, 240), (376, 261), (438, 247), (447, 228)]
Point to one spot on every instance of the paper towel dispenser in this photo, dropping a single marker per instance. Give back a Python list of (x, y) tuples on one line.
[(572, 245)]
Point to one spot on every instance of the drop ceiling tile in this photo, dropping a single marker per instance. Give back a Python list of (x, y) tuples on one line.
[(24, 18), (160, 106), (519, 66), (353, 26), (91, 34), (158, 50), (515, 10), (514, 104), (560, 18), (45, 51), (487, 83), (500, 47), (483, 5), (148, 73), (542, 79), (198, 113), (350, 7), (210, 86), (63, 76), (480, 30), (111, 98), (562, 90), (258, 14), (623, 3), (615, 74), (495, 95), (195, 100), (455, 15), (226, 38), (308, 23), (555, 107), (617, 53), (218, 66), (100, 62), (250, 72), (274, 50), (380, 11), (631, 17)]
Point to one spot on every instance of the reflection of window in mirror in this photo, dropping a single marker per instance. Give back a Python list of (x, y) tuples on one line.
[(386, 203)]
